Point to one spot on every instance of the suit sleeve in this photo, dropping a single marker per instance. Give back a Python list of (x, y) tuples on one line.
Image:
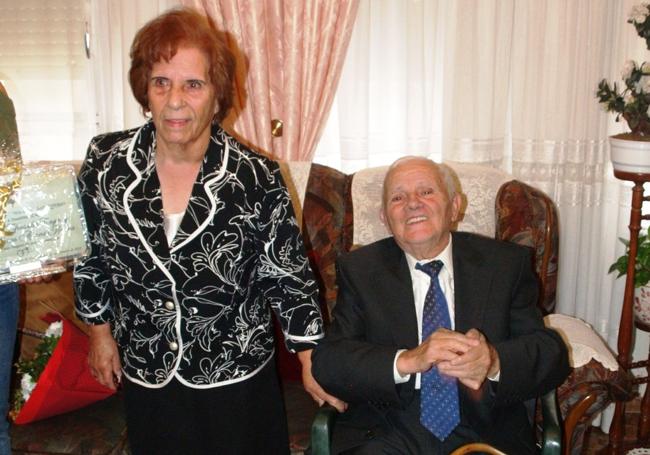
[(285, 276), (345, 363), (93, 287), (533, 358)]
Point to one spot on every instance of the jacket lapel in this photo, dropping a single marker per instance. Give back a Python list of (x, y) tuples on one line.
[(203, 202), (142, 198), (472, 282), (397, 292)]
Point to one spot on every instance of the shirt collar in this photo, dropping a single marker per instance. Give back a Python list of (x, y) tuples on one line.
[(445, 256)]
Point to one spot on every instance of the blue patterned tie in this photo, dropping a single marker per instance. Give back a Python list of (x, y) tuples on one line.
[(438, 393)]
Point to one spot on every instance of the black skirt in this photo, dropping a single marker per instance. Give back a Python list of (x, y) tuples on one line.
[(247, 417)]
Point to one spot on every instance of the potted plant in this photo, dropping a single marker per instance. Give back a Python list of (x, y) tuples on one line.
[(641, 275), (630, 152)]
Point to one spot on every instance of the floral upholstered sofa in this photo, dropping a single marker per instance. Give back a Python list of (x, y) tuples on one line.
[(338, 211)]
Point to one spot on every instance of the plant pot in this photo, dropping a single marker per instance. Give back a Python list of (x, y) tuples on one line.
[(629, 154), (642, 304)]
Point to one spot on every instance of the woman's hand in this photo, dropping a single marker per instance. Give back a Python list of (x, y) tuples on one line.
[(313, 388), (103, 357)]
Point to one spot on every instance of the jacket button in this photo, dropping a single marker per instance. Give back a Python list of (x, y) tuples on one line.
[(370, 434), (169, 305), (173, 346)]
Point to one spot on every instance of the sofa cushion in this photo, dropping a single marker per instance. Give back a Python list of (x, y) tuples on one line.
[(296, 175)]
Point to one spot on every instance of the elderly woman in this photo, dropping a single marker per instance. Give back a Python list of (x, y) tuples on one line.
[(193, 241)]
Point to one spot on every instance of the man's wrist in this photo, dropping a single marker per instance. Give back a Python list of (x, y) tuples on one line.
[(494, 372), (494, 377), (397, 375)]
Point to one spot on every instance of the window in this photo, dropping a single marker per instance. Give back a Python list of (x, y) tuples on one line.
[(45, 70)]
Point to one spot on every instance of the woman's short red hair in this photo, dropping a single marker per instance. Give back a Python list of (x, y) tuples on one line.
[(160, 39)]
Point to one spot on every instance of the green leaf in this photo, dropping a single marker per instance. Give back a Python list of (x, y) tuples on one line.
[(642, 265)]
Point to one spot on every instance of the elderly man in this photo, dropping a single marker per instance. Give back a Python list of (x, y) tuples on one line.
[(436, 339)]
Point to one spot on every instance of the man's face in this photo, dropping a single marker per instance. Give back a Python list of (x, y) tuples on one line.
[(417, 209)]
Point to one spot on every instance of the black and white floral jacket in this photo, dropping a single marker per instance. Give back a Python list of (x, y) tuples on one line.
[(197, 309)]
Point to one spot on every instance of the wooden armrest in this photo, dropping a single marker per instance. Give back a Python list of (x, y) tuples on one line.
[(552, 434), (584, 395), (477, 447), (321, 430)]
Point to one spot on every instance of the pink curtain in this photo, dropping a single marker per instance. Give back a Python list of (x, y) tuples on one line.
[(294, 52)]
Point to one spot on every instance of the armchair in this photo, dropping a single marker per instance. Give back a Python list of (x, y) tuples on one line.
[(596, 379), (342, 210)]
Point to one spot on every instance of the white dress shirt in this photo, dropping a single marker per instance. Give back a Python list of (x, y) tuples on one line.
[(421, 282), (171, 223)]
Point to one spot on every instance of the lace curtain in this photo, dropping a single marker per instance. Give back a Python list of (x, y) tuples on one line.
[(506, 83)]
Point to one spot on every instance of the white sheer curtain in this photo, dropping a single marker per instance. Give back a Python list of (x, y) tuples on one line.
[(388, 95), (506, 83)]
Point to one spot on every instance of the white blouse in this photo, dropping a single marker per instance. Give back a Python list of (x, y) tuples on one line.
[(171, 223)]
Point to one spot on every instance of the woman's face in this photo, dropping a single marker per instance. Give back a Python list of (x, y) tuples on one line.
[(182, 101)]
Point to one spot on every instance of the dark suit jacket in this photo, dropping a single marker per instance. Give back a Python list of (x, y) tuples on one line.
[(495, 292)]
